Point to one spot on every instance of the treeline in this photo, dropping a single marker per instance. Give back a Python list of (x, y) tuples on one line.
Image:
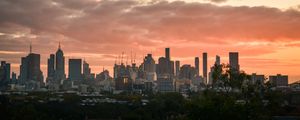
[(208, 105)]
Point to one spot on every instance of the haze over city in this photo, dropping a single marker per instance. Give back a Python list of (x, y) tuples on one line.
[(266, 34)]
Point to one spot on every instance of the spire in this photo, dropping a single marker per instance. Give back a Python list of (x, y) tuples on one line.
[(59, 45), (30, 47)]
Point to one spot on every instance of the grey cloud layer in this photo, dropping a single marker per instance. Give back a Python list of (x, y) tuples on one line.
[(111, 26)]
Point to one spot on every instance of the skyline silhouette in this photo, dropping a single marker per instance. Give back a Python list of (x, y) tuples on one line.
[(265, 33)]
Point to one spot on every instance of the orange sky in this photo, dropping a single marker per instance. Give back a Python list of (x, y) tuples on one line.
[(265, 33)]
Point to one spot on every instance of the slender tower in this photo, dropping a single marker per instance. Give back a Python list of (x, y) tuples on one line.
[(204, 55)]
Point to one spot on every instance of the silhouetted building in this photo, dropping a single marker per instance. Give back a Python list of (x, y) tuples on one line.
[(149, 67), (30, 71), (6, 69), (4, 75), (279, 80), (234, 61), (23, 70), (204, 55), (75, 68), (177, 67), (149, 64), (56, 67), (34, 69), (51, 68), (14, 78), (123, 77), (86, 70), (165, 65), (60, 64), (165, 83), (218, 60), (167, 52), (257, 79), (197, 65), (187, 72), (212, 69)]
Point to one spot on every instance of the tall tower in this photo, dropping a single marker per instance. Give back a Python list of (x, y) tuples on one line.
[(197, 65), (204, 55), (218, 60), (30, 48), (177, 67), (86, 70), (167, 52), (234, 61), (30, 69), (59, 64), (75, 68), (51, 67)]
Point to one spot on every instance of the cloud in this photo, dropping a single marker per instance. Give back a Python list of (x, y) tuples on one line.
[(108, 27), (217, 1)]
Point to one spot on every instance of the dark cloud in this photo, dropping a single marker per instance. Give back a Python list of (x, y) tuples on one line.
[(217, 1), (112, 26)]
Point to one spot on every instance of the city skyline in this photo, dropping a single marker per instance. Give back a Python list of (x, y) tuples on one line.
[(273, 49), (81, 68)]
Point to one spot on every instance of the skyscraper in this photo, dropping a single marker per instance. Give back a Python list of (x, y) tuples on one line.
[(149, 64), (23, 70), (51, 68), (187, 72), (6, 68), (165, 65), (212, 70), (167, 52), (177, 67), (218, 60), (30, 71), (75, 68), (60, 64), (204, 55), (197, 65), (86, 69), (4, 74), (234, 61), (34, 68)]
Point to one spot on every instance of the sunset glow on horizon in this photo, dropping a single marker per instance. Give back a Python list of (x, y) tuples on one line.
[(265, 33)]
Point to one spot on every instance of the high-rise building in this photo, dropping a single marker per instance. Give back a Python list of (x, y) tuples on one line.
[(13, 78), (165, 83), (234, 61), (162, 66), (60, 64), (30, 71), (167, 52), (75, 68), (56, 67), (212, 69), (23, 70), (4, 74), (86, 70), (204, 55), (149, 64), (279, 80), (218, 60), (187, 72), (197, 65), (165, 65), (6, 67), (149, 68), (51, 67), (34, 68), (177, 67)]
